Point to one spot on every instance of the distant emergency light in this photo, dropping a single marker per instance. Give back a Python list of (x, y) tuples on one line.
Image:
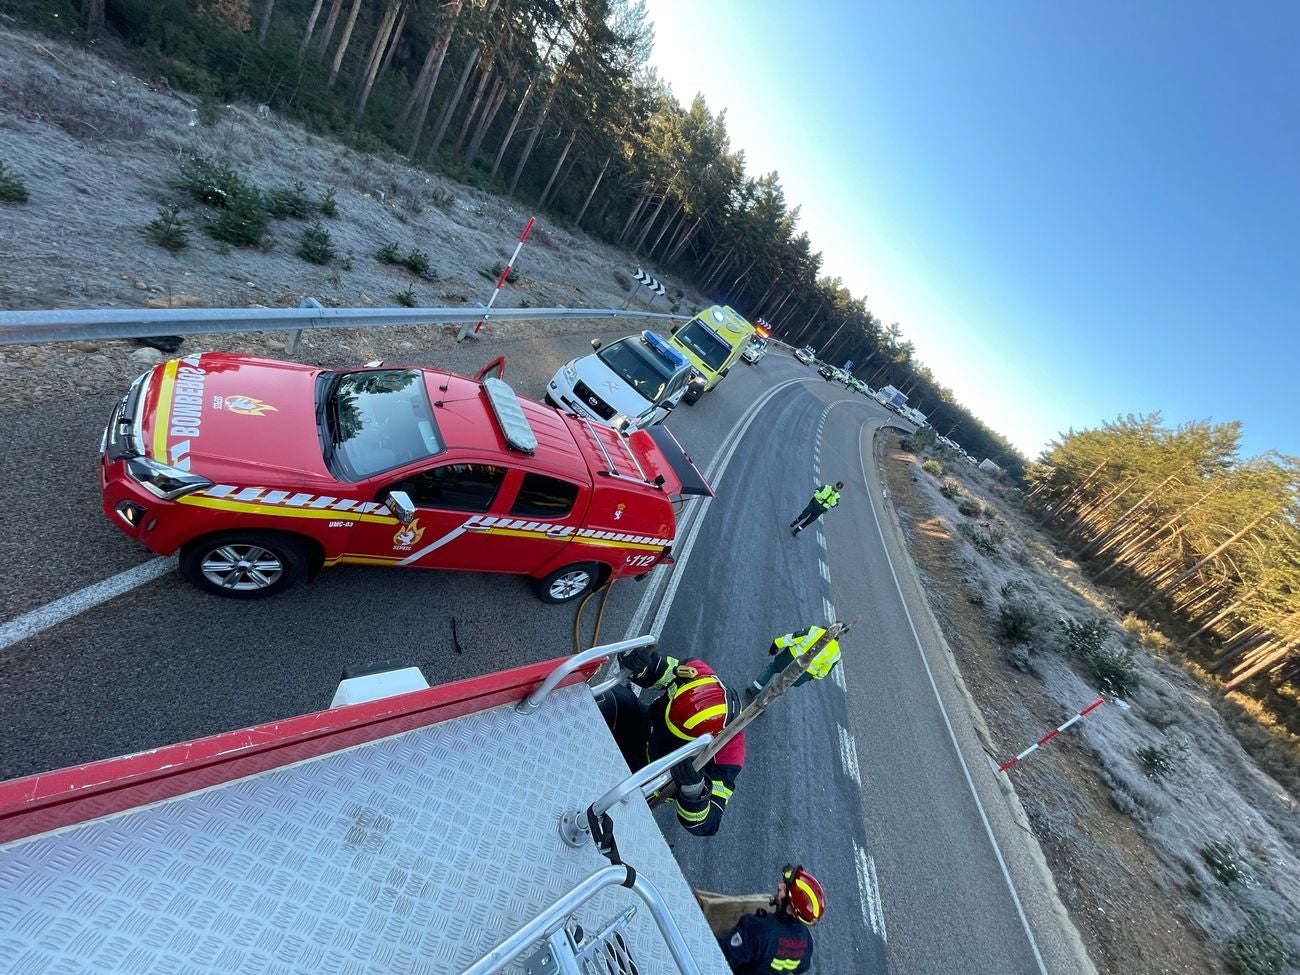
[(718, 316), (663, 348), (510, 416)]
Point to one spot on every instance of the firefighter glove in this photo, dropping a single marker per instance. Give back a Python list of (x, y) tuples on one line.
[(691, 784), (773, 650), (638, 660)]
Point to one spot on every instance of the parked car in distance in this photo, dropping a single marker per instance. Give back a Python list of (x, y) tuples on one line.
[(807, 355), (756, 349)]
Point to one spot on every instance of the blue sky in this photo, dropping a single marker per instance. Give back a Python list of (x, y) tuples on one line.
[(1074, 210)]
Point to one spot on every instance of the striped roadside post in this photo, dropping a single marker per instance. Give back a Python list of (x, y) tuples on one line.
[(487, 312), (656, 288), (1049, 736)]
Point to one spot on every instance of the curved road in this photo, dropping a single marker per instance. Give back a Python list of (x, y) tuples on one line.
[(860, 779)]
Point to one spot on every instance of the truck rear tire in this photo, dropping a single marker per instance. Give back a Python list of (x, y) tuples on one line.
[(568, 583)]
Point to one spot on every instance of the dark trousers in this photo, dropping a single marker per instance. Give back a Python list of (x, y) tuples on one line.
[(627, 719), (808, 515)]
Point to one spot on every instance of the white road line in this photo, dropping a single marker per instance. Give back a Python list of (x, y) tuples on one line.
[(837, 675), (829, 609), (682, 553), (821, 540), (52, 614), (849, 756), (876, 898), (952, 735), (825, 570), (867, 891)]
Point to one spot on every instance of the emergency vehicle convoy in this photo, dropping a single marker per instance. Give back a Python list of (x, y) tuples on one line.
[(481, 826), (262, 472), (713, 340)]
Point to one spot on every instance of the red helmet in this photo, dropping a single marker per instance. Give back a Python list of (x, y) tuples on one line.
[(804, 895), (699, 704)]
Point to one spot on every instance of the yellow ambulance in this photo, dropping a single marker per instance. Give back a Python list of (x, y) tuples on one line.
[(711, 341)]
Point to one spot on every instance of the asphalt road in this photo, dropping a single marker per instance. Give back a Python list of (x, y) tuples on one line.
[(861, 783)]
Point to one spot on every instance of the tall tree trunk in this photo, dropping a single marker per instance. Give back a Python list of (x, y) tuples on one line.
[(472, 112), (485, 123), (1114, 525), (1266, 662), (531, 142), (684, 239), (1205, 560), (671, 223), (392, 44), (645, 229), (523, 104), (92, 18), (449, 109), (577, 221), (268, 8), (431, 83), (311, 27), (343, 43), (375, 57), (646, 190), (327, 32), (546, 193)]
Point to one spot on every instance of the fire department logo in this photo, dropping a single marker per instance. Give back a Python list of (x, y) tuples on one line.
[(618, 512), (408, 535), (248, 406)]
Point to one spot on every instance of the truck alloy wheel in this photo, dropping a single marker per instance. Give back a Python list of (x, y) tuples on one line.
[(243, 565), (567, 583)]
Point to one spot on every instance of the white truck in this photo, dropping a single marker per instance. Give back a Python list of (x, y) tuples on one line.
[(640, 378), (892, 398)]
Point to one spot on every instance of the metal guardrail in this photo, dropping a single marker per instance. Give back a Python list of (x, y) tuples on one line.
[(78, 325)]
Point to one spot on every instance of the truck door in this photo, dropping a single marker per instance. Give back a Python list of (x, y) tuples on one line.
[(541, 515)]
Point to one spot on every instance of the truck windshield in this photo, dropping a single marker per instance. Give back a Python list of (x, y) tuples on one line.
[(711, 349), (374, 420), (641, 369)]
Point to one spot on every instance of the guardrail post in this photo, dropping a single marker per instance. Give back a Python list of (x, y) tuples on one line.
[(296, 334)]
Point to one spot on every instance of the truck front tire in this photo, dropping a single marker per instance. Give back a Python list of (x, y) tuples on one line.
[(244, 564)]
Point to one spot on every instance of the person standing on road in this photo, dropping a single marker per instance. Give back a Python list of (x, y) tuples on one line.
[(780, 941), (786, 648), (694, 702), (824, 499)]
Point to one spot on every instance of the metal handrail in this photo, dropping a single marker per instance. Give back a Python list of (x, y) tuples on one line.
[(534, 700), (575, 826), (621, 875), (77, 325)]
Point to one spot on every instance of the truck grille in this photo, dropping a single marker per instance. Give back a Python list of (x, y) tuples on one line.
[(591, 401)]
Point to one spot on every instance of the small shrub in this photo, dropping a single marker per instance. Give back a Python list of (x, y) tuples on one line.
[(1020, 656), (12, 187), (495, 273), (417, 262), (289, 201), (1158, 762), (209, 111), (168, 230), (242, 220), (442, 199), (316, 245), (1011, 587), (1018, 619), (950, 489), (984, 541), (328, 205), (212, 183), (1224, 861), (1115, 670), (1257, 949), (348, 262), (1086, 637), (406, 298), (388, 254), (970, 507), (1145, 633), (933, 467)]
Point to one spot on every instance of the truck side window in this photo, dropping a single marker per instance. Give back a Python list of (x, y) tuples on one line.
[(461, 487), (544, 497)]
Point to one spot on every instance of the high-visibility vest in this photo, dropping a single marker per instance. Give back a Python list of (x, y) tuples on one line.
[(826, 496), (826, 658)]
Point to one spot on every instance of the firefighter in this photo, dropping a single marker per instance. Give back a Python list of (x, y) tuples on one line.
[(824, 499), (780, 941), (786, 648), (694, 701)]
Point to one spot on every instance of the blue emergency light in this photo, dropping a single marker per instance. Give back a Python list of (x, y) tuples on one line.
[(663, 348)]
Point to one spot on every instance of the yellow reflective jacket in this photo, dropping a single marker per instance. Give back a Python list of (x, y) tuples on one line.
[(799, 643), (826, 496)]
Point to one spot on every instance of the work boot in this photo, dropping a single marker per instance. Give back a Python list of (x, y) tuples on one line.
[(794, 532)]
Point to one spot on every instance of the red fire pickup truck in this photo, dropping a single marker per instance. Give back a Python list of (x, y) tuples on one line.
[(262, 472)]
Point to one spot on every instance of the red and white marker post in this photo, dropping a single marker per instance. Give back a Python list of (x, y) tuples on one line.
[(465, 329), (1049, 736)]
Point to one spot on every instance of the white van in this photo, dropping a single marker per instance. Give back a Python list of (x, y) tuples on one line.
[(640, 377)]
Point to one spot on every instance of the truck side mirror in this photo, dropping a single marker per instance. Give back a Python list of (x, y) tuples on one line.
[(595, 344), (401, 505)]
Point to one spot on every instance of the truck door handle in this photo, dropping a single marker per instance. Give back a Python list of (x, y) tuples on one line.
[(478, 528)]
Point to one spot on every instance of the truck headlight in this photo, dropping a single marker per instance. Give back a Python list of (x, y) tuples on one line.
[(168, 483), (570, 371)]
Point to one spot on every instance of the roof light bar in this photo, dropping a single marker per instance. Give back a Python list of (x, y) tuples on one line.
[(656, 342), (510, 416)]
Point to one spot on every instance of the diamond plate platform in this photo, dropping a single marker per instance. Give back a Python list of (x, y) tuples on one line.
[(414, 854)]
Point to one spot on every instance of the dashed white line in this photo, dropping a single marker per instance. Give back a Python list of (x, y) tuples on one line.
[(873, 912), (825, 570), (821, 540), (66, 607), (849, 756), (829, 609), (837, 675)]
